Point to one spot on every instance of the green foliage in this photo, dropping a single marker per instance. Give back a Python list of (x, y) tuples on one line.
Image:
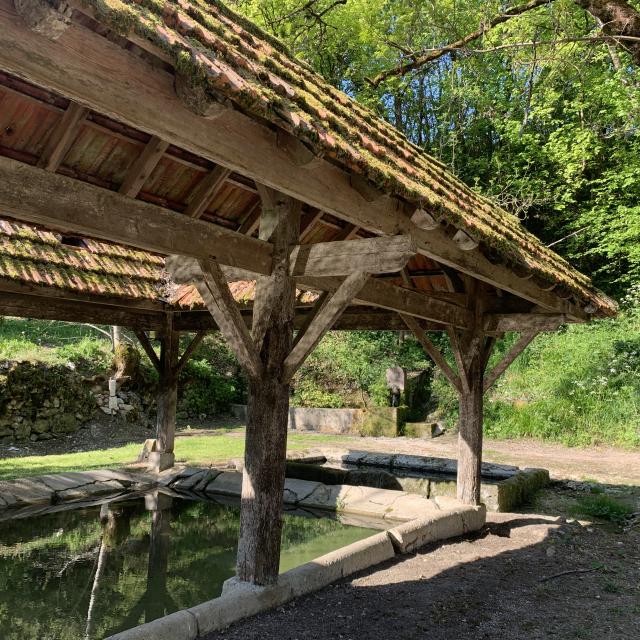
[(580, 386), (348, 369), (602, 507), (206, 390), (309, 393), (550, 131), (56, 343), (211, 381)]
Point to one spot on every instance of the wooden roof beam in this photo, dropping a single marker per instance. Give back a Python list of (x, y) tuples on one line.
[(68, 310), (109, 79), (33, 195)]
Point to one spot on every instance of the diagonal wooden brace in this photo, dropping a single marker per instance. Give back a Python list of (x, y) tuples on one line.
[(330, 308)]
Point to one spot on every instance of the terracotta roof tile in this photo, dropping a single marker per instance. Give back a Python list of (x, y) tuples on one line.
[(234, 60)]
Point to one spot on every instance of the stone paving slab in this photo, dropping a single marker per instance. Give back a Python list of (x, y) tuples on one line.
[(407, 462), (51, 489)]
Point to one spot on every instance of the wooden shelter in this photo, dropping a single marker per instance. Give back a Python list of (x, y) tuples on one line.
[(179, 128)]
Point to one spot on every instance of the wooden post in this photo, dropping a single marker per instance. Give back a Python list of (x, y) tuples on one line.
[(163, 457), (268, 402), (471, 349), (470, 433)]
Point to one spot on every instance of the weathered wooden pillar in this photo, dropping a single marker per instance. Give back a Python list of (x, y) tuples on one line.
[(268, 402), (470, 429), (163, 457)]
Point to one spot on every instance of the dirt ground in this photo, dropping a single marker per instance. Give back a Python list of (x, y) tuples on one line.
[(524, 577)]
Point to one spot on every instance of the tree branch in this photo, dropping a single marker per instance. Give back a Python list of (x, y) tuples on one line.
[(417, 61)]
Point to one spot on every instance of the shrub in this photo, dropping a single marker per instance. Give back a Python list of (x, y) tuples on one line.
[(206, 390)]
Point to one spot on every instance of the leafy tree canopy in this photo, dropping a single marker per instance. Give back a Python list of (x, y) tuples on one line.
[(541, 112)]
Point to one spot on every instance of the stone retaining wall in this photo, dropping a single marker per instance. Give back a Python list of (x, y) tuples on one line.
[(40, 402), (503, 488)]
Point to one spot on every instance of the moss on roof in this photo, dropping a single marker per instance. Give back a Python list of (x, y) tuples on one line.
[(233, 60), (33, 256)]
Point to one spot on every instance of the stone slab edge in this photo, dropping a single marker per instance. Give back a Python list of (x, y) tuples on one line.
[(248, 600)]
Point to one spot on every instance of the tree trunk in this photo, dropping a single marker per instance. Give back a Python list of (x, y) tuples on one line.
[(618, 18), (470, 436)]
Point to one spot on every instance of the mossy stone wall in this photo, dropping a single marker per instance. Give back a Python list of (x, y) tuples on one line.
[(40, 402)]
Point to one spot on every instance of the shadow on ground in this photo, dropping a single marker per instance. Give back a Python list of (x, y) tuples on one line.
[(522, 576)]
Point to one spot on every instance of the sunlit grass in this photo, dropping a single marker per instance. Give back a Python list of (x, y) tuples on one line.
[(194, 450)]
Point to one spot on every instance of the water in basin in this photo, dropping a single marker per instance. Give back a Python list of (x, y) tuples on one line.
[(89, 573)]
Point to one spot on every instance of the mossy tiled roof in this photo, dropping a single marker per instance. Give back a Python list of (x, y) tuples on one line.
[(233, 60), (33, 256)]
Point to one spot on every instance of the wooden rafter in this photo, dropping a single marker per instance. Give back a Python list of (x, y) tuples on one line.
[(62, 137), (309, 223), (144, 164), (205, 192)]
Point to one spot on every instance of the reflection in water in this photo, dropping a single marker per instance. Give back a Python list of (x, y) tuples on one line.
[(90, 573)]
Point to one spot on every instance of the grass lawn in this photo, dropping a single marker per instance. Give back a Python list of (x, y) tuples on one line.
[(193, 450)]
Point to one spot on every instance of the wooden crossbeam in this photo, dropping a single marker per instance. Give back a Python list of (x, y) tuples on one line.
[(143, 166), (329, 310), (205, 192), (501, 322), (340, 258), (143, 338), (381, 294), (213, 289), (491, 378), (111, 80), (40, 197), (433, 352), (62, 137)]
